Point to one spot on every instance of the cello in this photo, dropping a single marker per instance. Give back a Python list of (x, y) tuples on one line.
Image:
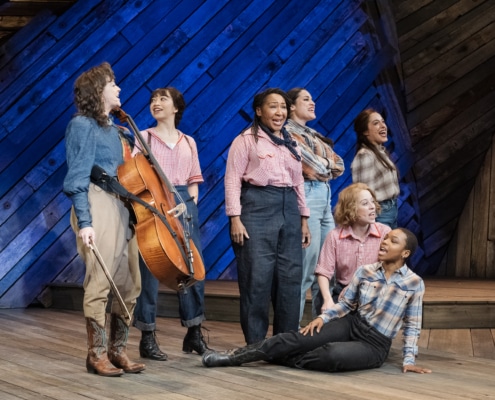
[(164, 242)]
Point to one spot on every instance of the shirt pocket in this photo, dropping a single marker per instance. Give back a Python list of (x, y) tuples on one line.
[(401, 295), (367, 292), (266, 160)]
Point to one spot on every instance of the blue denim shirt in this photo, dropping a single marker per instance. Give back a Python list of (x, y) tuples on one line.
[(88, 144)]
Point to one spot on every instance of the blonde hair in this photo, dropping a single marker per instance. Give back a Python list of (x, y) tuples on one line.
[(345, 212)]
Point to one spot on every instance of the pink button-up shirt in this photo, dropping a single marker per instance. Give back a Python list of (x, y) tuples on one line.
[(180, 163), (261, 163), (343, 252)]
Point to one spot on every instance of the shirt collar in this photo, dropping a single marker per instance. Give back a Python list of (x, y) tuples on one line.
[(348, 232), (402, 270)]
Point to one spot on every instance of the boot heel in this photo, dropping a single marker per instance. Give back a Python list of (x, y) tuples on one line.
[(187, 349), (194, 341), (90, 368)]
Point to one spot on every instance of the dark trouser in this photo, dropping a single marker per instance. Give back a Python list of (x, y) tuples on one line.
[(345, 344), (191, 301), (269, 264)]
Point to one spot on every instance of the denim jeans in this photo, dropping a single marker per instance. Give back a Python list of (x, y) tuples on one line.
[(320, 223), (269, 264), (388, 215), (345, 344), (191, 301)]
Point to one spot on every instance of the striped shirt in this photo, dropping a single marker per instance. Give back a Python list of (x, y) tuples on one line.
[(343, 252), (261, 163), (311, 146), (179, 163), (366, 168), (385, 305)]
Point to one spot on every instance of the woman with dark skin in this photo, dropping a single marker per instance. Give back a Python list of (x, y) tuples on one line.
[(357, 332), (264, 199)]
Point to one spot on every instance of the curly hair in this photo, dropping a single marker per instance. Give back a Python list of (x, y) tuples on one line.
[(176, 97), (360, 127), (345, 213), (88, 91)]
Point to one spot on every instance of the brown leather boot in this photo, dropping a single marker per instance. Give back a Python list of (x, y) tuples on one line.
[(117, 352), (97, 360)]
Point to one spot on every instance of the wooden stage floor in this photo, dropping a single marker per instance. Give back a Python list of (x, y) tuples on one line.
[(42, 356)]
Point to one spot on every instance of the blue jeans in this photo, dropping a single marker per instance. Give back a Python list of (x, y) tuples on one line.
[(191, 301), (320, 223), (269, 264), (388, 215)]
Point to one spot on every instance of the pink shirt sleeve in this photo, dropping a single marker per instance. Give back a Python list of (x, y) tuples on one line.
[(326, 261)]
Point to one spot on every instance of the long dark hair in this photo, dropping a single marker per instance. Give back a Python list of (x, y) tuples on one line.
[(360, 127), (88, 91), (293, 95), (176, 97)]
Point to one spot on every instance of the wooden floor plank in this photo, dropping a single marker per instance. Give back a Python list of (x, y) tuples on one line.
[(451, 341), (483, 343), (43, 351)]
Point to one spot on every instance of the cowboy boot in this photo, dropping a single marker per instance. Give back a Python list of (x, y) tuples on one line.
[(194, 340), (234, 357), (97, 361), (117, 352), (148, 347)]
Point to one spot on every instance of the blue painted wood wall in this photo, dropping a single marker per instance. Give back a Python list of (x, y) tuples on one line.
[(219, 53)]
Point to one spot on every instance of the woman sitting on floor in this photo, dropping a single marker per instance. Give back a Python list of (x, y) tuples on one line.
[(357, 332)]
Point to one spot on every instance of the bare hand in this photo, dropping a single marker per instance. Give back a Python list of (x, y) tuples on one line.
[(317, 324), (327, 304), (237, 231), (415, 368), (87, 235), (306, 234)]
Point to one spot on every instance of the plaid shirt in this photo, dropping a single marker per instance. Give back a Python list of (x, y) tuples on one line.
[(366, 168), (385, 305), (310, 143)]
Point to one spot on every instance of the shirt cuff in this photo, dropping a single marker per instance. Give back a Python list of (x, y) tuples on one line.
[(304, 211)]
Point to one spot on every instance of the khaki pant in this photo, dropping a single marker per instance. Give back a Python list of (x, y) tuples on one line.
[(118, 248)]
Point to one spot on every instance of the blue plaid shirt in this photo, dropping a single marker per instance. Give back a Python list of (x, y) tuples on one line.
[(385, 305)]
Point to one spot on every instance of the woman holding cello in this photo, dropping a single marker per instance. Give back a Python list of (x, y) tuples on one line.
[(177, 155), (100, 220)]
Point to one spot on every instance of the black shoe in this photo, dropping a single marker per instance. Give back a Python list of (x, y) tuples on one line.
[(148, 348), (234, 357), (194, 340)]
